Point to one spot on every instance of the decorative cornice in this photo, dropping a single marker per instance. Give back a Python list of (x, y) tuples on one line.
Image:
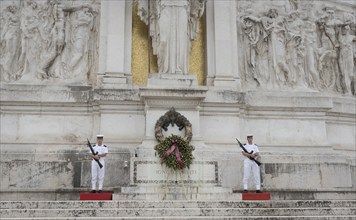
[(186, 93), (182, 97)]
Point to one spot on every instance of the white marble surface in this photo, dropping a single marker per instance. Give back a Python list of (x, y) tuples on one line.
[(295, 106)]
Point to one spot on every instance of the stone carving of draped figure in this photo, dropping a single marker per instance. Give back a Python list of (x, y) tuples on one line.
[(42, 26), (336, 60), (310, 42), (273, 32), (346, 59), (173, 25), (49, 41), (296, 50), (275, 26), (328, 64), (256, 50), (10, 43), (74, 63)]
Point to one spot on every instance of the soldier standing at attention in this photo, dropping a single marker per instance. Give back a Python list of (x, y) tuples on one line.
[(250, 165), (98, 173)]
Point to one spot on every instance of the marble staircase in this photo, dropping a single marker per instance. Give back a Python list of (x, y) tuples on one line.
[(179, 209)]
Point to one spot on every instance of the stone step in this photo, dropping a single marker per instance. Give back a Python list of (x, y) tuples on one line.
[(153, 212), (176, 204), (344, 217), (70, 194), (178, 196), (175, 189), (312, 195), (177, 192)]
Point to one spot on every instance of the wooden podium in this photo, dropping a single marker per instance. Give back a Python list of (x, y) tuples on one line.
[(96, 196)]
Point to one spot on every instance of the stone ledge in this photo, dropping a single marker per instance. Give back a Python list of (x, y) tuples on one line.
[(173, 80), (177, 204)]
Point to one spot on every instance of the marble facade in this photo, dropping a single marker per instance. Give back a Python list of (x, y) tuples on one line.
[(282, 72)]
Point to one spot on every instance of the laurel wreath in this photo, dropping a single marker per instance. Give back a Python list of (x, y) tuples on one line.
[(167, 144), (171, 160)]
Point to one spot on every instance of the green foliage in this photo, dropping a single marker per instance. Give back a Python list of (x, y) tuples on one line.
[(184, 148)]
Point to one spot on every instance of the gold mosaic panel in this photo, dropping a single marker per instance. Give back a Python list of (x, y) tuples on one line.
[(139, 63)]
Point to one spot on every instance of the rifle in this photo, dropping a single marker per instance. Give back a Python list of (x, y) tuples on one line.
[(251, 158), (94, 153)]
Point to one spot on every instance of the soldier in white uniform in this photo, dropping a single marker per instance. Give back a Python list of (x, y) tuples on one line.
[(98, 173), (250, 165)]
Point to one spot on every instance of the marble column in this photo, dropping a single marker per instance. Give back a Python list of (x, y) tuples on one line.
[(115, 43), (222, 45)]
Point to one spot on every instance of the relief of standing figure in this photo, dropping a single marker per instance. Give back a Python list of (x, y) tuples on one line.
[(275, 26), (329, 50), (346, 59), (42, 26), (252, 31), (74, 63), (296, 50), (173, 24), (10, 43), (31, 43), (310, 42)]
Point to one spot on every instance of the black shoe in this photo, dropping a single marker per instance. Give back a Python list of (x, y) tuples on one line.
[(258, 191), (245, 191), (93, 191), (100, 191)]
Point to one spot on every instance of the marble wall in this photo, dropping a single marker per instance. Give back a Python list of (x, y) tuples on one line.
[(274, 68)]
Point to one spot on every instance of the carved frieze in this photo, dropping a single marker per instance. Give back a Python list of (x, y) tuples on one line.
[(49, 41), (298, 45)]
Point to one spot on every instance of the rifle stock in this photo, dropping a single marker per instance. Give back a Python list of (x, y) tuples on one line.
[(251, 158), (94, 153)]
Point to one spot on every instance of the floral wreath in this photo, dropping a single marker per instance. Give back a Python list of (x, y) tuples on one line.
[(174, 151)]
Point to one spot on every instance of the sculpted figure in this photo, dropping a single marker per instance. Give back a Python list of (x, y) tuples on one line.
[(173, 25), (74, 62), (346, 59), (328, 24), (52, 36), (310, 42), (328, 61), (10, 43), (275, 26), (273, 31), (42, 26), (336, 62), (31, 42), (256, 49), (296, 50)]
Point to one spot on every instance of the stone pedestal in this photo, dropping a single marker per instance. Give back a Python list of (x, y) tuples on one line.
[(159, 96), (148, 175), (151, 171)]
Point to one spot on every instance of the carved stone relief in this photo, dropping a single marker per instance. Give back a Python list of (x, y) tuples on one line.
[(173, 25), (49, 41), (289, 46)]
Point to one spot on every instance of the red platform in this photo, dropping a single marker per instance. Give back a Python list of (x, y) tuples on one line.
[(256, 196), (96, 196)]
